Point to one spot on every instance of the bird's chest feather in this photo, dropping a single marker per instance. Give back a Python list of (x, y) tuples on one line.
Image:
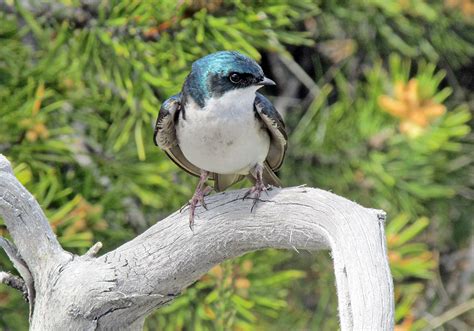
[(224, 136)]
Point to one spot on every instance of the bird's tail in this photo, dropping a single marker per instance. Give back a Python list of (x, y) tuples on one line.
[(269, 176), (221, 182)]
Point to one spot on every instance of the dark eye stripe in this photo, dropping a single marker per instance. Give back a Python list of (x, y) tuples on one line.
[(242, 79), (235, 78)]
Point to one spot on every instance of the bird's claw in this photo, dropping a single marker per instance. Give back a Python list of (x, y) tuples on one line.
[(198, 198), (191, 219), (205, 193), (255, 192)]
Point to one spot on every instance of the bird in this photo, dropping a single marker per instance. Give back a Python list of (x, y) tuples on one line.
[(219, 128)]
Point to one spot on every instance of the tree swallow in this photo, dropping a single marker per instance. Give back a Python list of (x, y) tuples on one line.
[(218, 127)]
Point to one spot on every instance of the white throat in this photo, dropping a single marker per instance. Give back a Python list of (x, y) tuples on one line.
[(233, 101)]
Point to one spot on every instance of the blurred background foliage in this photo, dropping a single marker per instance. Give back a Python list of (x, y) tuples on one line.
[(378, 98)]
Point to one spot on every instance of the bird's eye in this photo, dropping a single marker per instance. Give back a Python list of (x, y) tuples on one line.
[(234, 78)]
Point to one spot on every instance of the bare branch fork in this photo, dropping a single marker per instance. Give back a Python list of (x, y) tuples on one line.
[(117, 290)]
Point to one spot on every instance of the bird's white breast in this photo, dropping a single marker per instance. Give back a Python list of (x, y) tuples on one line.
[(224, 136)]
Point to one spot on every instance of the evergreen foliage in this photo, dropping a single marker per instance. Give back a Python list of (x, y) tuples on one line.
[(379, 95)]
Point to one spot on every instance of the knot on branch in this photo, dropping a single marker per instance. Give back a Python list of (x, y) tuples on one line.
[(14, 282)]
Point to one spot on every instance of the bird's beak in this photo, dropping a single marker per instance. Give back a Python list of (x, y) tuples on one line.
[(266, 82)]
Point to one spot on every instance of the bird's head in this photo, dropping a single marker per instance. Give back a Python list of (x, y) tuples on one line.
[(216, 74)]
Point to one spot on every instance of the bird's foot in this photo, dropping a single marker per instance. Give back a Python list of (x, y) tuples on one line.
[(258, 188), (198, 198), (254, 193)]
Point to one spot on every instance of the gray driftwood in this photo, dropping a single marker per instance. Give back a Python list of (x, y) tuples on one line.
[(117, 290)]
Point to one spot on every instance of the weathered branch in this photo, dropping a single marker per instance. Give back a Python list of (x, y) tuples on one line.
[(119, 289), (35, 241)]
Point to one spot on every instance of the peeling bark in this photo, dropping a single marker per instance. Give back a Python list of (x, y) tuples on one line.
[(116, 291)]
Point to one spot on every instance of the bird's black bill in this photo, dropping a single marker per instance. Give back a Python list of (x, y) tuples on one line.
[(266, 82)]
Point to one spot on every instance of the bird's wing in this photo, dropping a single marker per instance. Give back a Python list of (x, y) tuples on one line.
[(276, 127), (165, 134)]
